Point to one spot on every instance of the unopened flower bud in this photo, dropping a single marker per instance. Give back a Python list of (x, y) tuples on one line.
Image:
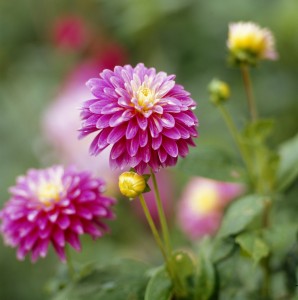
[(132, 184), (219, 91)]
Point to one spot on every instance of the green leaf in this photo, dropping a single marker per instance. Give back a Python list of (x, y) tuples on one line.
[(240, 214), (125, 279), (253, 245), (288, 167), (258, 131), (159, 286), (212, 161), (206, 276)]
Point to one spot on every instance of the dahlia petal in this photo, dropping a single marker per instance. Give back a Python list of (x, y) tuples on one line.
[(33, 215), (70, 210), (103, 121), (92, 230), (171, 108), (183, 131), (146, 153), (102, 141), (182, 148), (131, 129), (170, 146), (133, 146), (63, 221), (91, 121), (73, 240), (45, 233), (117, 119), (111, 108), (134, 161), (58, 237), (42, 222), (21, 253), (156, 142), (43, 245), (142, 121), (76, 225), (60, 252), (140, 168), (116, 134), (172, 133), (30, 240), (167, 120), (53, 216), (162, 154), (85, 213), (157, 109), (98, 106), (143, 137), (185, 119), (117, 149), (155, 127)]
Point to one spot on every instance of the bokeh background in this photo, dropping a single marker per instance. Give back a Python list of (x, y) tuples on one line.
[(49, 48)]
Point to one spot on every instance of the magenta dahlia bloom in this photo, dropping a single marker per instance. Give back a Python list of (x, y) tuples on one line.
[(54, 206), (144, 115)]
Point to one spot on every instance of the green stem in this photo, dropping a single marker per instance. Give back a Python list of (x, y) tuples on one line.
[(266, 262), (161, 214), (249, 93), (178, 286), (234, 133), (71, 269), (153, 227)]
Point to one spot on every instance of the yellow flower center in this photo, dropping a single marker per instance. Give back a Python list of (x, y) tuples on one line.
[(145, 96), (204, 201), (49, 192), (251, 40)]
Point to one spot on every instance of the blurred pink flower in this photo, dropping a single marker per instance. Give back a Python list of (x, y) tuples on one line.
[(165, 185), (202, 203), (61, 119), (70, 32), (54, 206)]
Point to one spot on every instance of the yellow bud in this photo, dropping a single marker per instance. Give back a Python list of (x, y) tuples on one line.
[(131, 184), (219, 91)]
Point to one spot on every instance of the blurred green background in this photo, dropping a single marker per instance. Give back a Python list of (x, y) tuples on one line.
[(187, 38)]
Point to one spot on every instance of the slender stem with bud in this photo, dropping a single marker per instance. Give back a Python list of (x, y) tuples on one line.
[(161, 214), (235, 134), (152, 226), (249, 92)]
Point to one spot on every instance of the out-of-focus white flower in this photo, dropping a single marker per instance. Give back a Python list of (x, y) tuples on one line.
[(201, 206)]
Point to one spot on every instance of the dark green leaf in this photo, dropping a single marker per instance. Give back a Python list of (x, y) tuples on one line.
[(206, 276), (159, 286), (240, 214), (288, 167), (125, 279), (253, 245)]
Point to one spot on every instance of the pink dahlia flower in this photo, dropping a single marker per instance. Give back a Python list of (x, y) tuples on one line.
[(144, 115), (202, 205), (56, 206)]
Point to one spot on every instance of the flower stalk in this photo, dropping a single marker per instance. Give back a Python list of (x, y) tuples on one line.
[(249, 92)]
